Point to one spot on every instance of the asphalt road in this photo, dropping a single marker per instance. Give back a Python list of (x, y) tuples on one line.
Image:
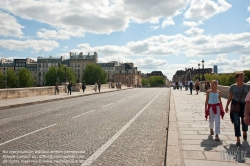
[(118, 128)]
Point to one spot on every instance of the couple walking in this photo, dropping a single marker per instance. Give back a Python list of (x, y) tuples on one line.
[(97, 85), (214, 109)]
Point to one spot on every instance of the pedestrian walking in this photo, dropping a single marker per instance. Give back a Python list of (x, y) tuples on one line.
[(69, 88), (191, 85), (197, 86), (207, 85), (99, 86), (237, 95), (56, 88), (83, 87), (247, 109), (95, 86), (214, 109), (180, 85)]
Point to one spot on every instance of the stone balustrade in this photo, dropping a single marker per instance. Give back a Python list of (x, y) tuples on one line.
[(11, 93)]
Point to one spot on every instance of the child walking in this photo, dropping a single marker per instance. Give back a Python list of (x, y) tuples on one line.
[(214, 109)]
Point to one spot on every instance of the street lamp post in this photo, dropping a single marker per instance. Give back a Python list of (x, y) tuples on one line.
[(199, 71), (108, 76), (203, 78), (65, 73), (78, 81)]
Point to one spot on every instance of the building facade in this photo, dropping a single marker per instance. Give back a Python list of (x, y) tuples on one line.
[(190, 73), (79, 62), (215, 69), (43, 65)]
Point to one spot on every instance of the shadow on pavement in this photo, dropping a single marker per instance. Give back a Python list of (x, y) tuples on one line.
[(210, 143)]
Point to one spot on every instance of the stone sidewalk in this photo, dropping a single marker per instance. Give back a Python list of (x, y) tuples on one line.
[(189, 139), (16, 102)]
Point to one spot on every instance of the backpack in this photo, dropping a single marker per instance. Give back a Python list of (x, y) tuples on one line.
[(191, 84)]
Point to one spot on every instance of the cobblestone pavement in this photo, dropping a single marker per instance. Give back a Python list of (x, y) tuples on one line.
[(118, 128), (190, 142)]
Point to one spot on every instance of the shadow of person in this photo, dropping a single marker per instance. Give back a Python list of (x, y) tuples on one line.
[(237, 153), (210, 143)]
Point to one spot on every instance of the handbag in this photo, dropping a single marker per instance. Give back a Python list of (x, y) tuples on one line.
[(235, 107)]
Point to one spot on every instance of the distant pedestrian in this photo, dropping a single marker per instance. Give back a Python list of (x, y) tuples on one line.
[(99, 86), (197, 86), (95, 86), (56, 88), (69, 88), (83, 87), (191, 85), (180, 85), (207, 85), (214, 109)]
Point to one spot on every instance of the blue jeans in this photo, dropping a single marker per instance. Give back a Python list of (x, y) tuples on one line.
[(236, 121), (191, 89)]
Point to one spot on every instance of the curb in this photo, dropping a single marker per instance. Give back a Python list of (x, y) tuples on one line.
[(51, 100)]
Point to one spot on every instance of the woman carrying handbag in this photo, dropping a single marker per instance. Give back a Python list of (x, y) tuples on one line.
[(237, 95)]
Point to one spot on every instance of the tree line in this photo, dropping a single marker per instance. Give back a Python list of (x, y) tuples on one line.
[(23, 78), (153, 81)]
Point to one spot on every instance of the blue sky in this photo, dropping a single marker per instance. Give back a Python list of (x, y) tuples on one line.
[(161, 35)]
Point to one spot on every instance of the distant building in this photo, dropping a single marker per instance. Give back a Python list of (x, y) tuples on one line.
[(6, 64), (190, 73), (215, 69), (43, 65), (80, 61)]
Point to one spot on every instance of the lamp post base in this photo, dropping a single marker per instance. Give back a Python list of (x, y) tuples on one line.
[(77, 87), (65, 84)]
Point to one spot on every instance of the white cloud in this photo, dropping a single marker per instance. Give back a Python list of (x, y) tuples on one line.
[(192, 24), (96, 16), (248, 20), (60, 34), (194, 31), (206, 9), (155, 27), (248, 8), (167, 22), (9, 26), (165, 46), (35, 45)]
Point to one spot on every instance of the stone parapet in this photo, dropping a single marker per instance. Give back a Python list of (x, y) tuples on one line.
[(39, 91)]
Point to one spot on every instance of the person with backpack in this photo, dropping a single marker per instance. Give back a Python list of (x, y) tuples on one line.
[(191, 85), (69, 88), (83, 87)]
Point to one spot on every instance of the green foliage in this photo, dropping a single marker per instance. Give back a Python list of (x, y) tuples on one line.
[(145, 82), (12, 79), (247, 75), (25, 78), (94, 73), (57, 74), (225, 79), (156, 81), (2, 78), (51, 76)]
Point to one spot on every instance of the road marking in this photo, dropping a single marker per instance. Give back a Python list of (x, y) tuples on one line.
[(26, 135), (107, 105), (120, 100), (83, 114), (105, 146)]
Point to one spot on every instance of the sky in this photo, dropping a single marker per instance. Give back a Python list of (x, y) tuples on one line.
[(156, 35)]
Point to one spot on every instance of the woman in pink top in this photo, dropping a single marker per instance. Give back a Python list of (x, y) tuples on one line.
[(247, 109)]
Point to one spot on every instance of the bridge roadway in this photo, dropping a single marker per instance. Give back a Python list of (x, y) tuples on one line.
[(125, 127)]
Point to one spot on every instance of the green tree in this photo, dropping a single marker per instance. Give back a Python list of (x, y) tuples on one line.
[(231, 80), (51, 76), (2, 78), (25, 78), (156, 81), (94, 73), (57, 74), (145, 82), (12, 79), (247, 75)]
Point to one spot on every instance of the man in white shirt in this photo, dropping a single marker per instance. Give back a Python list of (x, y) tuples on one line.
[(191, 85), (180, 85)]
